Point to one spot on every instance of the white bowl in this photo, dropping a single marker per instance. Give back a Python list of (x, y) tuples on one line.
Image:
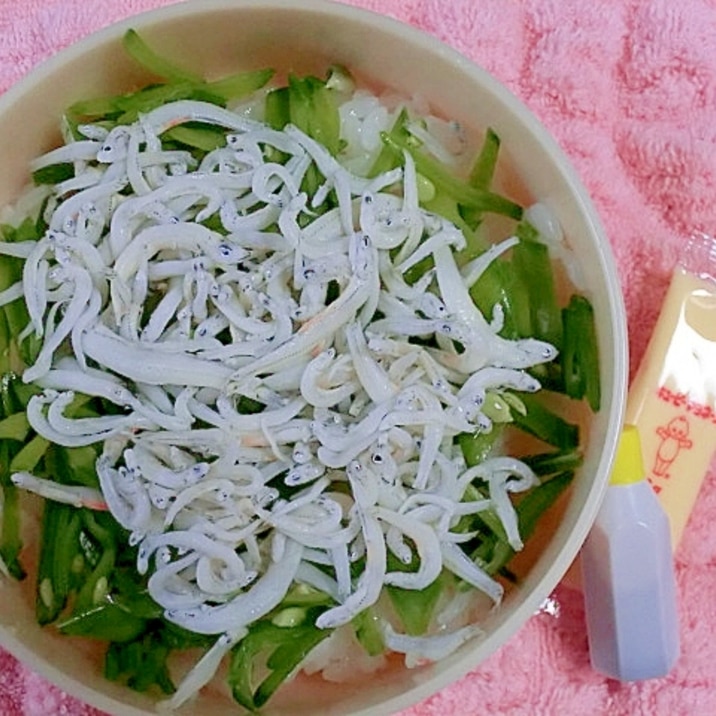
[(220, 36)]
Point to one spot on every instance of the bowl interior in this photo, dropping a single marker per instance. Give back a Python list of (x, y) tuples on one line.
[(220, 37)]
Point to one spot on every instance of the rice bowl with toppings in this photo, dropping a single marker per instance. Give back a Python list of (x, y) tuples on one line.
[(263, 332)]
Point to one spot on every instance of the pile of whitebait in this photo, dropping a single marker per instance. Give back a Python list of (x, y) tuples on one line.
[(139, 303)]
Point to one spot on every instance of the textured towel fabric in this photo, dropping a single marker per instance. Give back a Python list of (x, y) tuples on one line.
[(629, 90)]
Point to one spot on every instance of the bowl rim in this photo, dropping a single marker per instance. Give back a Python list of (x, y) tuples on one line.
[(530, 603)]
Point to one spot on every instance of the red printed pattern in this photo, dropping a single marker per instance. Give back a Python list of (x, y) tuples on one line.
[(682, 400)]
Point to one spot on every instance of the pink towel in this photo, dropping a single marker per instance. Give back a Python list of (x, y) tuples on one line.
[(629, 90)]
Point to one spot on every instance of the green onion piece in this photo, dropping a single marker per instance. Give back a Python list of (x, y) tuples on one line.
[(138, 49), (546, 425), (580, 356)]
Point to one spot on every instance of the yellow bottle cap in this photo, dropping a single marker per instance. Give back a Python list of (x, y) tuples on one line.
[(629, 462)]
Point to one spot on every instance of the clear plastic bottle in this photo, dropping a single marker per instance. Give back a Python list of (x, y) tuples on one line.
[(628, 576)]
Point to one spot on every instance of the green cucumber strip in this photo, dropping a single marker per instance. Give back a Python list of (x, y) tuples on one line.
[(248, 406), (484, 168), (415, 607), (280, 649), (106, 622), (53, 174), (59, 547), (580, 359), (27, 230), (196, 137), (21, 392), (14, 427), (546, 425), (467, 196), (416, 272), (30, 455), (149, 98), (529, 510), (160, 66), (6, 361), (477, 446), (10, 541), (532, 263), (92, 108), (388, 159), (278, 108), (447, 207), (153, 670), (302, 595), (526, 232), (80, 463), (142, 661), (483, 171), (368, 633), (496, 408), (313, 110), (239, 85), (94, 590), (549, 463)]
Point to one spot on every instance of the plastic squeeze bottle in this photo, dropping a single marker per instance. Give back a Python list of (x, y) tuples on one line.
[(628, 575), (672, 398)]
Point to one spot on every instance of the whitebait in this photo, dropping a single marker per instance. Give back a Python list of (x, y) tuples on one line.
[(252, 336)]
